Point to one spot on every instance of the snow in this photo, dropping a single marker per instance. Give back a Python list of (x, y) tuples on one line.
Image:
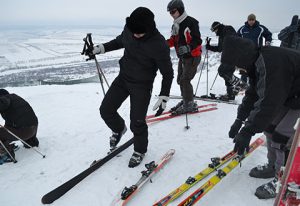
[(72, 135)]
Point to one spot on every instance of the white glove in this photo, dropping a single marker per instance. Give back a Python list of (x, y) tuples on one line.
[(268, 43), (161, 102), (99, 49)]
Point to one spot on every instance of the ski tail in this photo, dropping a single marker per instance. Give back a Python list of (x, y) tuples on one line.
[(221, 173), (65, 187)]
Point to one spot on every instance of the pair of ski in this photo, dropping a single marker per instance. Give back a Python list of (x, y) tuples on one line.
[(169, 115), (151, 169), (212, 167)]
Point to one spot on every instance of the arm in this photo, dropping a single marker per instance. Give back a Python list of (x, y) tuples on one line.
[(284, 34), (114, 44), (267, 35)]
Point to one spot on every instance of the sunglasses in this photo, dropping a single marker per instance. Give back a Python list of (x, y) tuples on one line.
[(173, 11)]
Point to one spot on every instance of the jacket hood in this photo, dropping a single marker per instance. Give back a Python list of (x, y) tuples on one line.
[(239, 52)]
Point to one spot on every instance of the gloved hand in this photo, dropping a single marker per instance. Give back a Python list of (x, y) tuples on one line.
[(268, 43), (184, 50), (242, 141), (99, 49), (161, 104), (235, 128), (208, 47)]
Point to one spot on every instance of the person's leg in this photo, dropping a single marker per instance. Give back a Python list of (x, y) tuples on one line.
[(139, 101), (226, 72), (115, 96), (189, 71)]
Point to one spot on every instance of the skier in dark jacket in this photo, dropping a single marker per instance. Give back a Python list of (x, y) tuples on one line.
[(271, 103), (233, 83), (255, 31), (290, 36), (145, 51), (186, 39), (20, 119)]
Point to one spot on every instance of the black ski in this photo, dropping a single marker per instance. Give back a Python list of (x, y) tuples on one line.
[(64, 188), (209, 98)]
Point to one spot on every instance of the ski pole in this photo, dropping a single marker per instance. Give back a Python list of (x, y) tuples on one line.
[(207, 76), (201, 72), (18, 138), (187, 122), (214, 81), (2, 144)]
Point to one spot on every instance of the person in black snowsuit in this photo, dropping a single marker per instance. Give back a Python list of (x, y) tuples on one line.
[(145, 51), (233, 83), (271, 103), (186, 39), (256, 32), (290, 36), (20, 119)]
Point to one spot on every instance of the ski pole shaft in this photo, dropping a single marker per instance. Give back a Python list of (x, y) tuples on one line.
[(18, 138), (214, 81), (201, 72), (187, 122), (2, 144)]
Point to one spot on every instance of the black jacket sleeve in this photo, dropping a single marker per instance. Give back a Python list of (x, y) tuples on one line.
[(4, 103), (114, 44)]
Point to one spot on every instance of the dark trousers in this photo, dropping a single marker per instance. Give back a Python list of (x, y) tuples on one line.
[(280, 135), (226, 72), (23, 133), (140, 95), (187, 69)]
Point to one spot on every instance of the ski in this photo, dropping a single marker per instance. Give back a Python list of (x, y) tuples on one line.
[(170, 116), (208, 99), (151, 169), (289, 183), (216, 163), (221, 173), (170, 112), (65, 187)]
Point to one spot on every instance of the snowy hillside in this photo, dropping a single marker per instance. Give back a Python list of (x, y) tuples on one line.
[(72, 134)]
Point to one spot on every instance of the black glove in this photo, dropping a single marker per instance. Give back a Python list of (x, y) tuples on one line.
[(242, 141), (184, 50), (235, 128)]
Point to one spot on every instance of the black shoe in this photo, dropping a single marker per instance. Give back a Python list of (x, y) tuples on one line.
[(115, 138), (263, 171), (186, 108), (267, 191), (177, 106), (4, 156), (33, 142), (227, 97), (136, 159)]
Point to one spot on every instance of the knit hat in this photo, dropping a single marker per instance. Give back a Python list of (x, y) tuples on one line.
[(3, 92), (215, 26), (251, 17), (140, 21)]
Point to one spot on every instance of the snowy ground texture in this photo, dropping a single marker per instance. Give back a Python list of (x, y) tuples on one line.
[(72, 135)]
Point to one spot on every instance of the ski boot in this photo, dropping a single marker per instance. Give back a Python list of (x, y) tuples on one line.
[(176, 106), (263, 171), (190, 106), (115, 138), (267, 191), (33, 142), (136, 159)]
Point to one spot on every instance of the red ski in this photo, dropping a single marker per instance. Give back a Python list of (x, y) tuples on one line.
[(290, 182), (168, 115)]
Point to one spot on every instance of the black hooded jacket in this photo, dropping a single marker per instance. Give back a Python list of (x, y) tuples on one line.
[(223, 31), (274, 80), (17, 112), (143, 57)]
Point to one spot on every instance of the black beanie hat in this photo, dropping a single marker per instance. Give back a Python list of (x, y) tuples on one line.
[(140, 21), (3, 92)]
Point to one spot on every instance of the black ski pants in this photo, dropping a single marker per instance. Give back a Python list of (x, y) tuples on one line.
[(140, 95), (187, 69), (226, 72)]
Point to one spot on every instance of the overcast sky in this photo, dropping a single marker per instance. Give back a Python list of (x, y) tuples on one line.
[(274, 14)]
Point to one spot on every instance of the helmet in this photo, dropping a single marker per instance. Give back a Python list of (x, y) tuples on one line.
[(176, 4), (215, 26)]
